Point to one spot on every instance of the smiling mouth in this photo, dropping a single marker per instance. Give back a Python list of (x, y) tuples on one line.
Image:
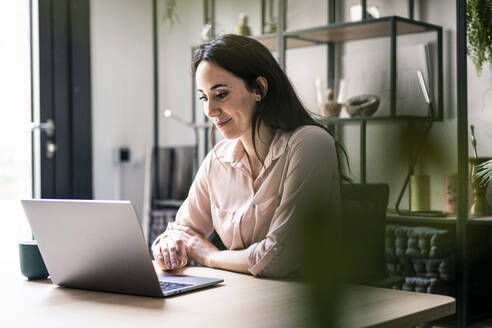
[(222, 123)]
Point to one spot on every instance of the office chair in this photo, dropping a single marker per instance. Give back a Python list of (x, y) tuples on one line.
[(170, 173), (168, 186), (363, 223)]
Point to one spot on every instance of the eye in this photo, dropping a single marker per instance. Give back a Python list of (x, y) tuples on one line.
[(203, 98), (221, 95)]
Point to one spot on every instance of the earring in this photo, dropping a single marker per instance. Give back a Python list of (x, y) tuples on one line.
[(258, 98)]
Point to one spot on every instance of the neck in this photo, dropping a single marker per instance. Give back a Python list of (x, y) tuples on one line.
[(263, 139)]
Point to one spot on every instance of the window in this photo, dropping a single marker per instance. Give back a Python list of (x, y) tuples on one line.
[(16, 168)]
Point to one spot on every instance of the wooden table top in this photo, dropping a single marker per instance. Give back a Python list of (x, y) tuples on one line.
[(241, 301)]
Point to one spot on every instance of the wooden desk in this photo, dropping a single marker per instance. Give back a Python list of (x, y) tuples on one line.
[(241, 301), (369, 306)]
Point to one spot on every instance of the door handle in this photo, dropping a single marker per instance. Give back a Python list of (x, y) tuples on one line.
[(48, 127)]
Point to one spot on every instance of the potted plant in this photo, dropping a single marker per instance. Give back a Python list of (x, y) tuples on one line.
[(485, 174), (479, 30)]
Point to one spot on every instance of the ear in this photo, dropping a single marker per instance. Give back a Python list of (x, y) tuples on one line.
[(262, 87)]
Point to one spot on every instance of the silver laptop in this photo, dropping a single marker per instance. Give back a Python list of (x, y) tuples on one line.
[(99, 245)]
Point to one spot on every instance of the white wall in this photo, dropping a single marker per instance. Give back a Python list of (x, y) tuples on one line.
[(122, 89), (175, 49), (122, 95), (480, 107)]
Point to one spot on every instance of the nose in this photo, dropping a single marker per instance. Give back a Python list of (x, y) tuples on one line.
[(211, 108)]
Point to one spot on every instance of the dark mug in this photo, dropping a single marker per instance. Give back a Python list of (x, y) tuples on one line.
[(31, 263)]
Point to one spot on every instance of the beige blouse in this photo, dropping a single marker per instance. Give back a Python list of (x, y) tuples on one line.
[(257, 214)]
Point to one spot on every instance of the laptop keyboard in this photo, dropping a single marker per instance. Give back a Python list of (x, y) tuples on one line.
[(168, 286)]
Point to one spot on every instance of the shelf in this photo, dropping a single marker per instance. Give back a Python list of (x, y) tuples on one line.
[(341, 120), (480, 220), (347, 31), (268, 40), (393, 217)]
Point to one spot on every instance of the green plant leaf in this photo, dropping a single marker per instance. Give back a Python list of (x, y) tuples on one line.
[(479, 32), (484, 172)]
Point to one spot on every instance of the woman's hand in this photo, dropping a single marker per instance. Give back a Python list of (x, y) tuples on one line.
[(198, 247), (169, 251), (193, 244)]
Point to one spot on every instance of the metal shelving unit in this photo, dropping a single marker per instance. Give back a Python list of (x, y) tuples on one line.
[(462, 210), (334, 33), (390, 27)]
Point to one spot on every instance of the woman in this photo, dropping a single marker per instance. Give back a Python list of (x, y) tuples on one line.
[(249, 187)]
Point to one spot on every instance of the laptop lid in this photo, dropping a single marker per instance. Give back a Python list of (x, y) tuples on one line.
[(97, 245)]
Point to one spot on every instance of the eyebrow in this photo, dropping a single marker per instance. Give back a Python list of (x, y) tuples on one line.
[(218, 85)]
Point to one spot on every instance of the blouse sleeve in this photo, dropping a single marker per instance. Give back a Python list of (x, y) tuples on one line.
[(195, 210), (311, 179)]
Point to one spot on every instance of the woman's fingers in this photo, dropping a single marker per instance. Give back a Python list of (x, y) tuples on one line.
[(181, 251), (159, 257), (172, 250), (167, 258)]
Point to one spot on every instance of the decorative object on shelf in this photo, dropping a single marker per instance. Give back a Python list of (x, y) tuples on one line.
[(330, 108), (473, 140), (429, 213), (170, 13), (271, 23), (243, 28), (362, 105), (326, 104), (450, 193), (485, 175), (356, 13), (423, 257), (488, 196), (480, 175), (479, 206), (479, 32), (419, 193)]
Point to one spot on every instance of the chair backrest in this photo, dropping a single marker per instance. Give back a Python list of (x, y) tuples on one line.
[(175, 172), (364, 213)]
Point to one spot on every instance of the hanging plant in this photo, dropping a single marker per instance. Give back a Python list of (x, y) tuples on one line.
[(479, 31)]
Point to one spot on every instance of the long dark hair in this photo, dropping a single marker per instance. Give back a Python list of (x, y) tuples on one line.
[(280, 108)]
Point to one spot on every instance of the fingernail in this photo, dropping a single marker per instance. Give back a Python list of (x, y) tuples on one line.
[(160, 258)]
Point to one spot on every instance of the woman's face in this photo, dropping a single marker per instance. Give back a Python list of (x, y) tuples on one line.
[(226, 100)]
